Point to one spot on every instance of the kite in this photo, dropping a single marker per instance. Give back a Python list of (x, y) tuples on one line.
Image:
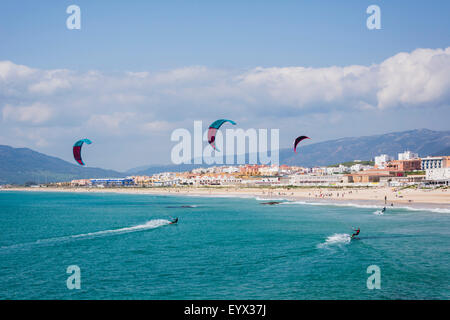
[(77, 150), (213, 130), (297, 141)]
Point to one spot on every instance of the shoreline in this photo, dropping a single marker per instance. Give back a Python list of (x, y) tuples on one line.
[(430, 200)]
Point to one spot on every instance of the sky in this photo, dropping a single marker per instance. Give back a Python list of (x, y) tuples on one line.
[(138, 70)]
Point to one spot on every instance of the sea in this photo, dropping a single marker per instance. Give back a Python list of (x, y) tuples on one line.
[(58, 245)]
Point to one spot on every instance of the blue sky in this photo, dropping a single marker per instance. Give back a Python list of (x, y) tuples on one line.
[(139, 69), (155, 35)]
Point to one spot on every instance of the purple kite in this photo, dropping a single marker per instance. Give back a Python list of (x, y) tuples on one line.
[(297, 141)]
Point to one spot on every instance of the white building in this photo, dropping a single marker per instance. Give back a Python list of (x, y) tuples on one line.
[(356, 167), (198, 170), (440, 174), (269, 171), (435, 162), (408, 155), (319, 170), (381, 160), (308, 179), (336, 170), (230, 169)]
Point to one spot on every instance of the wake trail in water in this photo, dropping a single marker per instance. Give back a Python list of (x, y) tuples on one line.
[(152, 224), (183, 206), (336, 239)]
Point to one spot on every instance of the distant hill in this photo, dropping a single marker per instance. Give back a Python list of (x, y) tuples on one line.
[(351, 163), (443, 152), (149, 170), (21, 165), (422, 141)]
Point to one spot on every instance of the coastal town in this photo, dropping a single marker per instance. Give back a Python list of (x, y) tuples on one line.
[(407, 169)]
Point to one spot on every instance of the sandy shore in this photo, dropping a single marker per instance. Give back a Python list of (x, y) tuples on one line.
[(422, 198)]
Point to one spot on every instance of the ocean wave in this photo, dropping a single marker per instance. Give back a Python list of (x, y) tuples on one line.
[(269, 199), (365, 206), (436, 210), (183, 206)]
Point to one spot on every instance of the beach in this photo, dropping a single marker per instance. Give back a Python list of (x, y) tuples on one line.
[(376, 196)]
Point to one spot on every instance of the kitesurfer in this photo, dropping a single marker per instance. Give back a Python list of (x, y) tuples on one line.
[(174, 221), (383, 210), (356, 232)]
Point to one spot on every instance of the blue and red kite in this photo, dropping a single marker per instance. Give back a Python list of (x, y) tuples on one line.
[(77, 150), (213, 130)]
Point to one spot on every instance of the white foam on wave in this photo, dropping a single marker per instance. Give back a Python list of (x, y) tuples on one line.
[(309, 203), (378, 212), (336, 239), (216, 196), (324, 203), (152, 224), (436, 210), (333, 204), (269, 199), (366, 206)]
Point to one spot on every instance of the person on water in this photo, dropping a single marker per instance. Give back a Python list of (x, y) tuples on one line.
[(356, 232), (174, 221), (383, 210)]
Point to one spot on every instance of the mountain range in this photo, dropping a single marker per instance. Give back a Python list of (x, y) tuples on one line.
[(422, 141), (22, 165)]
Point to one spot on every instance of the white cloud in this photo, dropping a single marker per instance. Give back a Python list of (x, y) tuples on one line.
[(134, 106), (49, 86), (301, 87), (413, 79), (11, 71), (156, 126), (113, 122), (419, 78), (36, 113)]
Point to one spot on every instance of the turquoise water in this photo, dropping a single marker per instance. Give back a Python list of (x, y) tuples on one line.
[(222, 248)]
